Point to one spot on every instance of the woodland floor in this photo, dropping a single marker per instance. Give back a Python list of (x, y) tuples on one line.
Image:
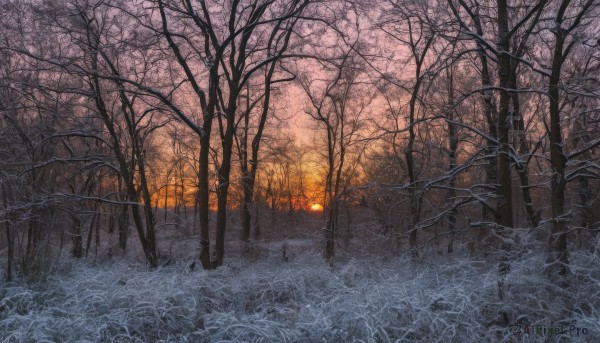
[(364, 298)]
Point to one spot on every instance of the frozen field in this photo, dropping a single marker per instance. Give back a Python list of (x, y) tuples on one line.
[(362, 299)]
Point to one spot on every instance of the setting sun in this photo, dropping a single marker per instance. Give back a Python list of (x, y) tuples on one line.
[(316, 207)]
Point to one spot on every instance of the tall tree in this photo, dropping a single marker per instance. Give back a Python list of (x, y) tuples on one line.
[(406, 23), (567, 18), (231, 53), (338, 109)]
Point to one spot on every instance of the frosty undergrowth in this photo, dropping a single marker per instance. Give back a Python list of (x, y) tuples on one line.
[(364, 299)]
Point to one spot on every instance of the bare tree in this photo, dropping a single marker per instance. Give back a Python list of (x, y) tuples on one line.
[(338, 109), (234, 50), (407, 24), (248, 147), (566, 19)]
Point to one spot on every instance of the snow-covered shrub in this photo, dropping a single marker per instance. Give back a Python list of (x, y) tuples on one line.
[(361, 299)]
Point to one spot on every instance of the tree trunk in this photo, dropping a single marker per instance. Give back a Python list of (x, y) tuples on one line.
[(586, 213), (558, 239), (453, 148), (10, 253), (203, 187), (76, 238), (330, 230), (247, 178), (504, 215), (522, 167), (123, 226), (224, 173), (504, 205), (203, 202), (223, 191), (150, 220), (9, 239), (415, 210), (97, 241), (89, 236), (111, 223), (248, 185)]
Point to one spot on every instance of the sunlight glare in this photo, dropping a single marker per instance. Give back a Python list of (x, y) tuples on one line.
[(316, 207)]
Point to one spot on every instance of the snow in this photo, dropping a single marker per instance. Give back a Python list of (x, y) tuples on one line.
[(362, 299)]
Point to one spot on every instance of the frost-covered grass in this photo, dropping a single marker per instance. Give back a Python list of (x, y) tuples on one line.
[(362, 299)]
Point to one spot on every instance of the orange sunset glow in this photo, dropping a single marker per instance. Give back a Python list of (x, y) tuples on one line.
[(316, 207)]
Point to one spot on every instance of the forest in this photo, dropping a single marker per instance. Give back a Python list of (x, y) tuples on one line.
[(299, 170)]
